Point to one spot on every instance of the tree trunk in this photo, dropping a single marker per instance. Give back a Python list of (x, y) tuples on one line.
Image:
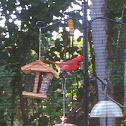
[(99, 36), (1, 111), (24, 110)]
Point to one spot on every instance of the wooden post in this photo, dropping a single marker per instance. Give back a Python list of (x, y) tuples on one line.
[(36, 82)]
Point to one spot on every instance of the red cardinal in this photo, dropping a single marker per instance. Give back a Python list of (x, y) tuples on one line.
[(70, 65)]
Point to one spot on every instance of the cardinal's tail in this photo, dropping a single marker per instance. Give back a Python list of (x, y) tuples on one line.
[(52, 62)]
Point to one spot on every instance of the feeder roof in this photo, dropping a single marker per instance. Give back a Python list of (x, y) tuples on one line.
[(38, 66)]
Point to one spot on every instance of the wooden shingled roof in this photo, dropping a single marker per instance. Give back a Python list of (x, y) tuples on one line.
[(38, 66)]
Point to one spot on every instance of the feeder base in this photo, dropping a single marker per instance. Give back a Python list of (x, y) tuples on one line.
[(65, 124), (35, 95)]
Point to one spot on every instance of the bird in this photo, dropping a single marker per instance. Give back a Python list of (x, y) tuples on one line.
[(70, 65)]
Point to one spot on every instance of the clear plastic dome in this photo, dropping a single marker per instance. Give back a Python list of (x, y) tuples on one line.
[(106, 109)]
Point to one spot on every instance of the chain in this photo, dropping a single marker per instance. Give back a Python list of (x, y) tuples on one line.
[(63, 81)]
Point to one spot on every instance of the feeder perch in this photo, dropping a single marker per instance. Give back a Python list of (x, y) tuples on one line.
[(43, 76)]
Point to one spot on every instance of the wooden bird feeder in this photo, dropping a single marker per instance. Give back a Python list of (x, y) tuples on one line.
[(43, 76)]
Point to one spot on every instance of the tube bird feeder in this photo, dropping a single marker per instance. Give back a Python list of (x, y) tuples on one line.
[(71, 26), (43, 76)]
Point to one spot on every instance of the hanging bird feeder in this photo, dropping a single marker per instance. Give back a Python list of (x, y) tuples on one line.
[(43, 76), (43, 73)]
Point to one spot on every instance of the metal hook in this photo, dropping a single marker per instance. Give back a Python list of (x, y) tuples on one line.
[(40, 24)]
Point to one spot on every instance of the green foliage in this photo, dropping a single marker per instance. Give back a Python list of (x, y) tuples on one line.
[(117, 67), (6, 107), (123, 123), (5, 78), (117, 41)]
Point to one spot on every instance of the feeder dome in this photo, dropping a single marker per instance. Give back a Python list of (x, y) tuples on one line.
[(106, 109)]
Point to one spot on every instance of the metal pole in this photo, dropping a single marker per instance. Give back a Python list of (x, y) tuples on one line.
[(124, 79), (64, 94), (85, 63)]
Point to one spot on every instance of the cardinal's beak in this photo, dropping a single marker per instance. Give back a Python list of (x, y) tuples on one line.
[(81, 63)]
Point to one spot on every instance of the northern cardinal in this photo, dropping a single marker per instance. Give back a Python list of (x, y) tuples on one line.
[(70, 65)]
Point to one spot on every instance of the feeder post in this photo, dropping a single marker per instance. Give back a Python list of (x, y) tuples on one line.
[(124, 79), (36, 82), (85, 63)]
